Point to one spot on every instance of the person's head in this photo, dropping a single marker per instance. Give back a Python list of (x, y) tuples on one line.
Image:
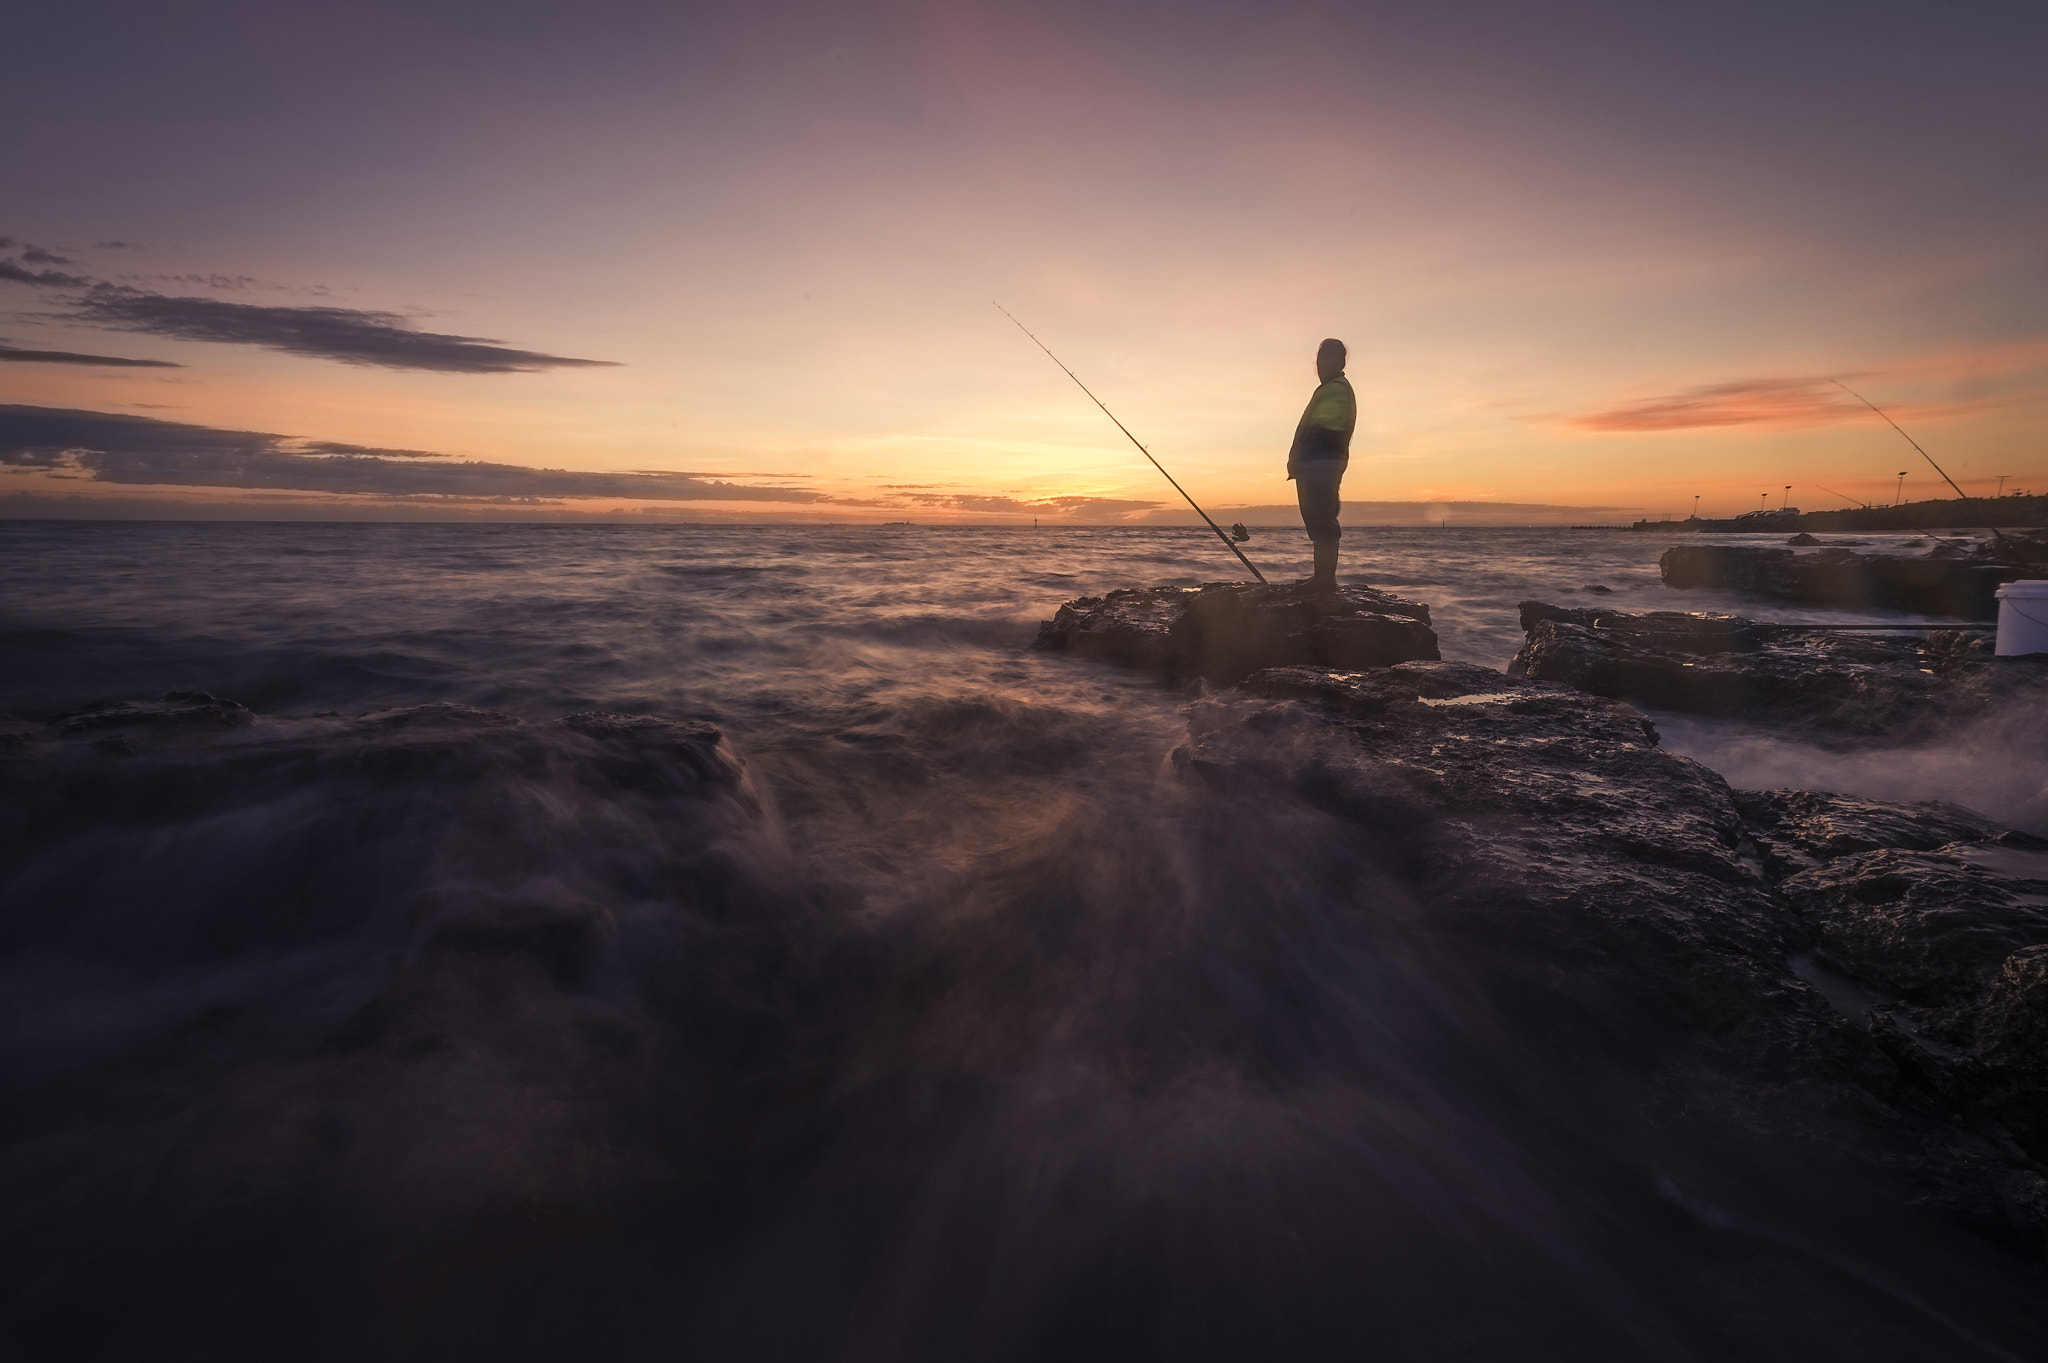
[(1329, 359)]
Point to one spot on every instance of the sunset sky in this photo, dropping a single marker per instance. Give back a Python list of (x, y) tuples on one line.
[(737, 260)]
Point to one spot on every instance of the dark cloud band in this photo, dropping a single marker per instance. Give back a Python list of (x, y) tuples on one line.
[(47, 279), (112, 448), (348, 335), (9, 353)]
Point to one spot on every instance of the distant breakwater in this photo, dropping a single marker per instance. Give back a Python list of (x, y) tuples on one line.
[(1950, 514)]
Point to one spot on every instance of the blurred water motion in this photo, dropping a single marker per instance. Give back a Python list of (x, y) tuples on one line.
[(955, 1027)]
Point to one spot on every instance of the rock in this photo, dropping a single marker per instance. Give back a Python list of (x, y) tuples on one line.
[(1223, 632), (1536, 815), (1849, 684), (1597, 588), (2017, 551), (640, 752), (174, 710), (1796, 830), (1790, 952), (436, 978), (1940, 917), (1840, 577), (1680, 631), (438, 714), (1803, 539), (1953, 648), (1923, 925)]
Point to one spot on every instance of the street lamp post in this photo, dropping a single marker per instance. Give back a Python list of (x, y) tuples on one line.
[(1763, 499), (1787, 499), (1696, 503), (1900, 490)]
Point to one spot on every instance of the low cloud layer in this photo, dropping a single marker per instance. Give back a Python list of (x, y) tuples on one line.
[(1017, 506), (1748, 402), (385, 340), (106, 447), (12, 354), (14, 273), (347, 335)]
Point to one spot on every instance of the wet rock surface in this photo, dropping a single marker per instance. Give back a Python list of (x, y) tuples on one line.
[(1939, 919), (1539, 817), (1852, 685), (172, 710), (1948, 581), (1223, 632), (1796, 830), (1868, 977), (1494, 791)]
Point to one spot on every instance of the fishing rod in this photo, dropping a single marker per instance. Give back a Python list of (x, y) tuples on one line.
[(1902, 431), (1228, 542), (1844, 496)]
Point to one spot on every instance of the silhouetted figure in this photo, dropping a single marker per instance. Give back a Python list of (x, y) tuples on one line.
[(1318, 457)]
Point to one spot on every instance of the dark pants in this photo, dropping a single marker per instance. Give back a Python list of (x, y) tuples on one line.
[(1315, 487)]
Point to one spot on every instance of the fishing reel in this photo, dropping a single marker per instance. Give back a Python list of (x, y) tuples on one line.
[(1238, 534)]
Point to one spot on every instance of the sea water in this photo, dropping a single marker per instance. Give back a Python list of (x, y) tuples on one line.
[(795, 636)]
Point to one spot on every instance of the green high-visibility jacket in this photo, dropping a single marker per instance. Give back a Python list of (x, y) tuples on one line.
[(1326, 425)]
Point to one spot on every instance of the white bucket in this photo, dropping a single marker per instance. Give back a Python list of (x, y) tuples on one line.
[(2022, 618)]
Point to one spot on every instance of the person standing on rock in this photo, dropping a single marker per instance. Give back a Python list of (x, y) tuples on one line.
[(1318, 457)]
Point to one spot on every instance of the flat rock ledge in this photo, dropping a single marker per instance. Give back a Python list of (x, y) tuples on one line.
[(1948, 581), (1223, 632), (1852, 685)]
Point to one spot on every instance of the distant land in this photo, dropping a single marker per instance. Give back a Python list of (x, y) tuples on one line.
[(1952, 513)]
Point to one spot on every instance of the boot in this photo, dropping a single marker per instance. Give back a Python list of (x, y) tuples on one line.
[(1325, 579)]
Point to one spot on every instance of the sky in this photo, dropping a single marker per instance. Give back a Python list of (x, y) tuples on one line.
[(1593, 258)]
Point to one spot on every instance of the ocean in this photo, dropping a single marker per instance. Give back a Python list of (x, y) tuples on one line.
[(991, 1040), (804, 640)]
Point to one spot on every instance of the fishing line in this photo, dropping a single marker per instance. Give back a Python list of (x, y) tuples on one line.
[(1228, 542)]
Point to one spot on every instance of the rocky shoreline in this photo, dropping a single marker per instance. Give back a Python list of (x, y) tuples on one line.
[(1797, 952)]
